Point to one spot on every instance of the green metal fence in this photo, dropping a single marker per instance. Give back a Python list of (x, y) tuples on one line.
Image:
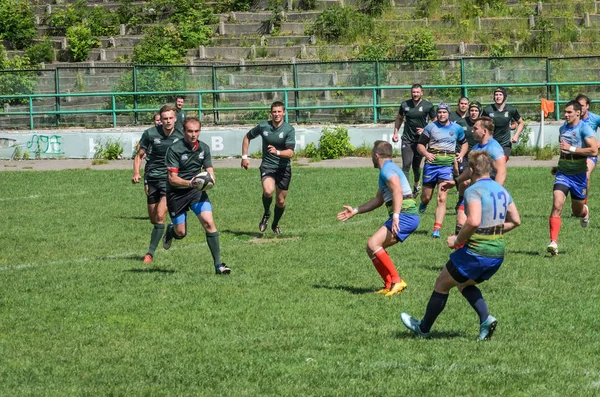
[(351, 91)]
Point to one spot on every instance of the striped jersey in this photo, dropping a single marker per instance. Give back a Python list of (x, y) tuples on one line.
[(571, 163), (387, 172), (442, 141)]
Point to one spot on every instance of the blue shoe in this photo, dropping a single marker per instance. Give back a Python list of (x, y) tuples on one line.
[(436, 233), (422, 208), (413, 324), (487, 328)]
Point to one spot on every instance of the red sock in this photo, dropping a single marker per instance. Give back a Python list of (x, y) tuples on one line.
[(554, 228), (437, 226), (382, 270), (386, 261)]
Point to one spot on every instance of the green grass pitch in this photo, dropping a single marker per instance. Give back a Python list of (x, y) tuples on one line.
[(81, 315)]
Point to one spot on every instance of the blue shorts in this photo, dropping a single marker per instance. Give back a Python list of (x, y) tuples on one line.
[(575, 184), (594, 159), (198, 207), (434, 174), (408, 224), (474, 267)]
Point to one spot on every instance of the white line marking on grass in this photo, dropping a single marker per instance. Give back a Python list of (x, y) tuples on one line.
[(33, 196), (37, 196)]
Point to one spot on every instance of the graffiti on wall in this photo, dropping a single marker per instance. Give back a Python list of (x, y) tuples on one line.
[(44, 144)]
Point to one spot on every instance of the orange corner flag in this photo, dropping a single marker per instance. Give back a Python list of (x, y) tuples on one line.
[(547, 107)]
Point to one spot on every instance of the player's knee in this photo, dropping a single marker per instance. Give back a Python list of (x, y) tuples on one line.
[(180, 231), (372, 246)]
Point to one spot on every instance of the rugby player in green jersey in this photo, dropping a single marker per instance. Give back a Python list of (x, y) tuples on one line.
[(184, 160), (153, 146), (503, 114), (179, 112), (278, 144)]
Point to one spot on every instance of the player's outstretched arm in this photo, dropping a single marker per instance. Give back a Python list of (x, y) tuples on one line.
[(370, 205), (513, 219)]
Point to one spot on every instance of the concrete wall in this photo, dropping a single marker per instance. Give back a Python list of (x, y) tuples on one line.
[(223, 141)]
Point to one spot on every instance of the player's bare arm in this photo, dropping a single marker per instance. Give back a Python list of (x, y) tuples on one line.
[(176, 181), (245, 145), (396, 188), (211, 171), (137, 164), (463, 151), (591, 150), (520, 126), (397, 124), (500, 167), (284, 154), (512, 218), (423, 152), (370, 205)]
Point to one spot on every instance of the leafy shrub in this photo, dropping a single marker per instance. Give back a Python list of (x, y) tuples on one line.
[(80, 42), (109, 149), (41, 52), (421, 45), (224, 6), (61, 20), (376, 48), (18, 23), (307, 5), (427, 8), (16, 83), (339, 24), (17, 153), (161, 44), (334, 143), (540, 39), (545, 153), (102, 22), (374, 8)]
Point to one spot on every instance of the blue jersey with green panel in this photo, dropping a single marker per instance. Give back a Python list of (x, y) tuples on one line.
[(488, 239), (571, 163), (593, 120), (387, 172), (442, 141), (492, 147)]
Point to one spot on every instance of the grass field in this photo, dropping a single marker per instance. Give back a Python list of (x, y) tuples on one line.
[(81, 315)]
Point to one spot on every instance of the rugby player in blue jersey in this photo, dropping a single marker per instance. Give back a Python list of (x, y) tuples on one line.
[(394, 190), (593, 120), (437, 144), (577, 144), (491, 212)]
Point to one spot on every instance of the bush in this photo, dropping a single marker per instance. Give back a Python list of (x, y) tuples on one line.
[(80, 42), (545, 153), (421, 45), (161, 44), (41, 52), (374, 8), (16, 83), (334, 143), (339, 24), (224, 6), (18, 23), (61, 20), (102, 22), (109, 149)]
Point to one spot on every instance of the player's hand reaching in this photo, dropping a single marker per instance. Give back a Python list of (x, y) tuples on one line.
[(136, 178), (346, 214), (245, 164), (272, 149), (429, 157), (447, 185), (395, 137)]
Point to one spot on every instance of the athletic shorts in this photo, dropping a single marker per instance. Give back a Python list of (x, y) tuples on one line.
[(574, 184), (507, 151), (408, 224), (462, 165), (464, 265), (282, 176), (434, 174), (156, 191), (594, 159), (180, 201)]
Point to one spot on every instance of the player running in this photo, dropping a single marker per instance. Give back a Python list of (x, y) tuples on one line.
[(185, 159), (278, 144), (491, 213), (153, 146), (593, 120), (438, 145), (394, 191), (415, 114), (503, 114), (577, 144)]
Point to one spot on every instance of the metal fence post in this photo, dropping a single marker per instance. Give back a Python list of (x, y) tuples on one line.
[(377, 93), (285, 104), (30, 112), (57, 91), (557, 99), (200, 105), (296, 93), (135, 97), (215, 96), (464, 89), (114, 111)]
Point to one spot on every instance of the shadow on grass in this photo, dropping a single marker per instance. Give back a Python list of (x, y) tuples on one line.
[(404, 333), (242, 233), (151, 270), (524, 252), (422, 232), (133, 218), (352, 290)]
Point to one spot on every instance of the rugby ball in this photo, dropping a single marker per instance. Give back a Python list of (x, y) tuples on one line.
[(203, 181)]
